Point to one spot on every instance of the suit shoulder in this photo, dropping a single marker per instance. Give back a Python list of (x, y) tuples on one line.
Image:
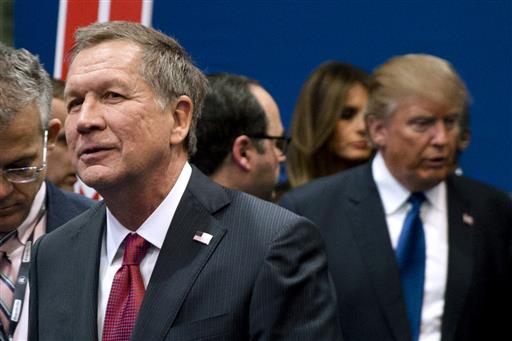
[(254, 207), (474, 189), (319, 190), (261, 220)]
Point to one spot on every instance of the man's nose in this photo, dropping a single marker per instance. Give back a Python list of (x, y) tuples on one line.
[(90, 117), (440, 133)]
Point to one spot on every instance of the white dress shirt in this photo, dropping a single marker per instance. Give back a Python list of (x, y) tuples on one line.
[(434, 215), (153, 230)]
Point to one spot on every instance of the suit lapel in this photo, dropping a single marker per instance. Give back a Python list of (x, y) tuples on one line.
[(87, 246), (369, 227), (181, 258), (460, 260)]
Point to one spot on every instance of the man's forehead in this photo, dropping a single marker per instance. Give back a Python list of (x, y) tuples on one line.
[(113, 56), (101, 81), (429, 106)]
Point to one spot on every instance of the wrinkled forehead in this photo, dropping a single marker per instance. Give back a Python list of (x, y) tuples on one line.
[(109, 63)]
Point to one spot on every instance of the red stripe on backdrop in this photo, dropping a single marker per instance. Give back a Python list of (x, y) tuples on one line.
[(80, 13), (129, 10)]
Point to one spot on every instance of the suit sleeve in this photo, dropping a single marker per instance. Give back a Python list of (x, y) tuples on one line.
[(294, 298)]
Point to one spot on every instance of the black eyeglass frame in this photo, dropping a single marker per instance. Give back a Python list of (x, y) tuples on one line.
[(282, 142)]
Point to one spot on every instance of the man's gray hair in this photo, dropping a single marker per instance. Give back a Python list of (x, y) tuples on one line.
[(23, 82), (165, 65)]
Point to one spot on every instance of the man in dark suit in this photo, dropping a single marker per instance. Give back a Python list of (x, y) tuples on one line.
[(240, 136), (29, 207), (169, 255), (439, 267)]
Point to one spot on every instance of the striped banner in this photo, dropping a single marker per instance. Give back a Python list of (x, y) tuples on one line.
[(78, 13)]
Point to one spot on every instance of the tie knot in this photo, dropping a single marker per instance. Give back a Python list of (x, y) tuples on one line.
[(416, 199), (135, 248)]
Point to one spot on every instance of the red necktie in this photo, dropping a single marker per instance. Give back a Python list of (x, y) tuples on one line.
[(126, 293)]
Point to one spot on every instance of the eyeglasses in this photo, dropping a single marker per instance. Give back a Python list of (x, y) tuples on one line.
[(281, 142), (27, 174)]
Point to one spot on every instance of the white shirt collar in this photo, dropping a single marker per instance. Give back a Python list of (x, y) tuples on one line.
[(394, 195), (154, 229)]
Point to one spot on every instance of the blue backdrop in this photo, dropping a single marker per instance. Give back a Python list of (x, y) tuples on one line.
[(281, 42)]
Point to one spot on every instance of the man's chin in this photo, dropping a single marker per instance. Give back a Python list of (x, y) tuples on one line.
[(431, 179), (95, 179)]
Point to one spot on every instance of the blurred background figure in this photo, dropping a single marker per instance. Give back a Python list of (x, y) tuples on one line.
[(61, 171), (328, 130), (240, 136)]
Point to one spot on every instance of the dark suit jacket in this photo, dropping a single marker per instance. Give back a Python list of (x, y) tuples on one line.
[(62, 206), (348, 210), (263, 276)]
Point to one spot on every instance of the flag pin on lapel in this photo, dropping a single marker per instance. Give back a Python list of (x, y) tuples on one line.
[(467, 219), (203, 237)]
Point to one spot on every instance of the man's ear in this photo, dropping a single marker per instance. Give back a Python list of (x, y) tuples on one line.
[(241, 152), (182, 117), (377, 130), (53, 131)]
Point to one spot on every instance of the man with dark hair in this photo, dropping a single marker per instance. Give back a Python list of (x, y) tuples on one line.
[(29, 206), (168, 254), (240, 136), (416, 252)]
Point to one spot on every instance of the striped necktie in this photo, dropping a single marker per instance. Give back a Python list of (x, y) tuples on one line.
[(7, 280), (127, 292)]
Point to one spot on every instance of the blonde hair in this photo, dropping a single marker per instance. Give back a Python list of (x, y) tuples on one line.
[(317, 111), (414, 76)]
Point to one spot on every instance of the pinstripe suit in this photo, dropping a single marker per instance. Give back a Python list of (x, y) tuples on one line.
[(263, 276)]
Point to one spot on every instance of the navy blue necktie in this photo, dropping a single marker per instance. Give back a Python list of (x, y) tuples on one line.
[(410, 255)]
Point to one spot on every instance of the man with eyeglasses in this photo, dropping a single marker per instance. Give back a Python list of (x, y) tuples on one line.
[(29, 207), (241, 141)]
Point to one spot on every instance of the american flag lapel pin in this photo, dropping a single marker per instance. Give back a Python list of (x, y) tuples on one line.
[(467, 219), (203, 237)]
